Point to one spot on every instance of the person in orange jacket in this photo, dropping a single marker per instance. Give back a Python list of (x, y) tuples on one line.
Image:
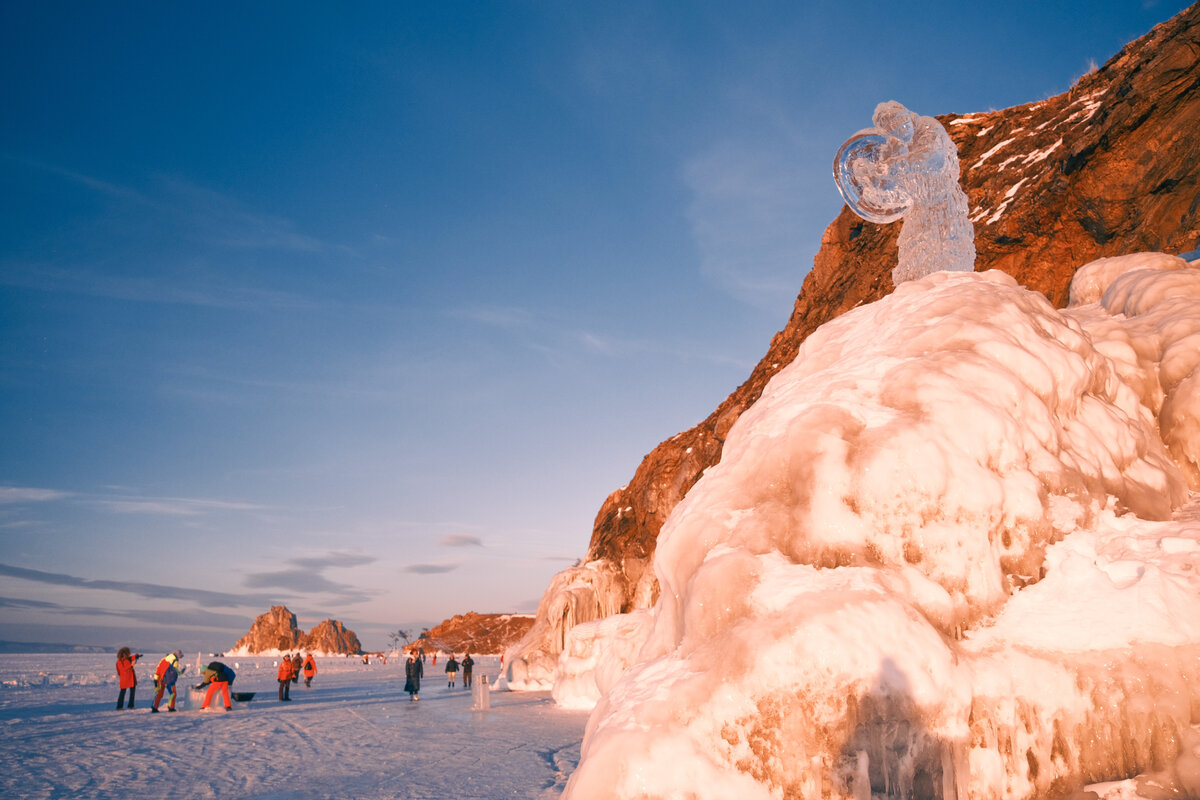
[(218, 677), (310, 669), (126, 677), (285, 679)]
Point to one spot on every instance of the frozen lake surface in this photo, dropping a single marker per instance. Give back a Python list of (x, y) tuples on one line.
[(354, 734)]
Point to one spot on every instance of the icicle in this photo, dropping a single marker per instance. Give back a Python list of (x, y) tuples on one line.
[(949, 787), (862, 777)]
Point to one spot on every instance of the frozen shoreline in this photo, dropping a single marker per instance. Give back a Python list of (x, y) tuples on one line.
[(353, 734)]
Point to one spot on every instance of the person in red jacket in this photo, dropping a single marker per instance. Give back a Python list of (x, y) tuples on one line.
[(310, 669), (285, 678), (126, 676)]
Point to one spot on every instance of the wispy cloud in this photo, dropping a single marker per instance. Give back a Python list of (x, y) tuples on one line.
[(26, 494), (174, 506), (504, 317), (223, 221), (306, 575), (430, 569), (148, 289), (562, 341), (95, 184), (148, 590), (333, 559), (174, 242), (174, 617), (747, 212), (19, 602), (202, 213), (460, 540), (123, 503)]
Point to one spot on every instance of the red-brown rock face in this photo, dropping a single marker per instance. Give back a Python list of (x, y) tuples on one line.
[(476, 633), (331, 636), (274, 630), (1110, 167), (277, 630)]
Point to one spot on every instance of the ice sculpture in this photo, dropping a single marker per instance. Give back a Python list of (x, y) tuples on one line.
[(907, 166)]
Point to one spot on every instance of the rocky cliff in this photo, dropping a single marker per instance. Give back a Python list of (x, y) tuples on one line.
[(276, 630), (476, 633), (1112, 166)]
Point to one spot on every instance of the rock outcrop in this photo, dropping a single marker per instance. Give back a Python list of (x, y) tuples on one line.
[(331, 636), (485, 634), (276, 631), (1110, 167)]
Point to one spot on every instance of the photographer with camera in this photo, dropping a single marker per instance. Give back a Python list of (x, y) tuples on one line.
[(126, 677)]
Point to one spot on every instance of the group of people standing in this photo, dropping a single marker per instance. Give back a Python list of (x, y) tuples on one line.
[(290, 668), (452, 670), (216, 676), (414, 670)]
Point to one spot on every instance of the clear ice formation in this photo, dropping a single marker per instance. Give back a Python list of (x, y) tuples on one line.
[(907, 166)]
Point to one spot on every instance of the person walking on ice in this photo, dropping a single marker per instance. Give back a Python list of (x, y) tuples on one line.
[(467, 664), (412, 676), (310, 669), (451, 671), (286, 666)]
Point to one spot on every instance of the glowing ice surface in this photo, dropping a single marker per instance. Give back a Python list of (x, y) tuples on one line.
[(907, 166), (958, 560)]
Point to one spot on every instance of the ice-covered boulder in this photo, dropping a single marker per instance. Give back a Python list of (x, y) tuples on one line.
[(949, 552), (579, 594)]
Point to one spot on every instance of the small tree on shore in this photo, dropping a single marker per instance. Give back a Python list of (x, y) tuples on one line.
[(396, 637)]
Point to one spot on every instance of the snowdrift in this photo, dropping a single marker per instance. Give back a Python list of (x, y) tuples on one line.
[(953, 551)]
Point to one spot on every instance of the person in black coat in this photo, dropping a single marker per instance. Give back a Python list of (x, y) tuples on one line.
[(412, 676), (467, 664)]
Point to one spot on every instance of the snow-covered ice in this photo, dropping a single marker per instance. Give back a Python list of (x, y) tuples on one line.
[(953, 550), (354, 734)]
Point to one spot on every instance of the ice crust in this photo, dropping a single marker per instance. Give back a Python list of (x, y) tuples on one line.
[(577, 595), (907, 166), (947, 553)]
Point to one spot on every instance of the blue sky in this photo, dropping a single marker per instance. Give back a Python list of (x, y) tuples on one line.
[(366, 312)]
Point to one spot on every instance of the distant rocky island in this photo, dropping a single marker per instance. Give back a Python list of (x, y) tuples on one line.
[(7, 647), (276, 632)]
